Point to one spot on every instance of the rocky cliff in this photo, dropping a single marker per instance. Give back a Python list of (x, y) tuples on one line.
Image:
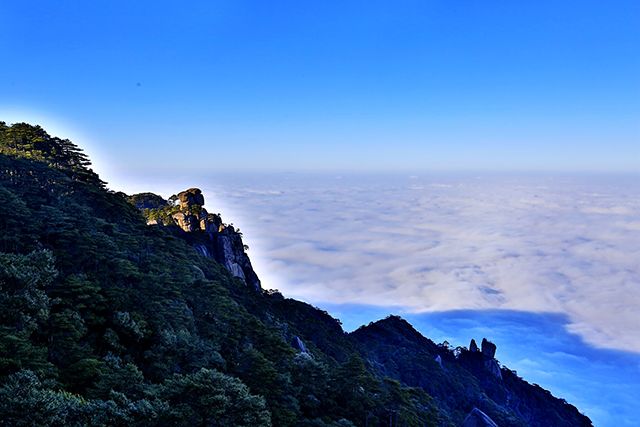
[(484, 392), (205, 231)]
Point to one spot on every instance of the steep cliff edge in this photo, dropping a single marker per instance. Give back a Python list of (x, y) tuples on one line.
[(206, 232)]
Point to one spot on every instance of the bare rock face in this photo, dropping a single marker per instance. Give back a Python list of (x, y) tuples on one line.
[(477, 418), (193, 216), (187, 222), (488, 348), (229, 251), (486, 357), (210, 223), (206, 232), (203, 250), (191, 197), (492, 366), (438, 360), (298, 344)]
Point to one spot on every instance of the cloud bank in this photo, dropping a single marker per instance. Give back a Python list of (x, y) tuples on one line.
[(561, 244)]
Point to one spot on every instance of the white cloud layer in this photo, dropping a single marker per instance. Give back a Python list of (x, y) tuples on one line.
[(569, 245)]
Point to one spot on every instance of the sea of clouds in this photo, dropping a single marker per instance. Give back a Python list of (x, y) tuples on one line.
[(547, 267), (543, 244)]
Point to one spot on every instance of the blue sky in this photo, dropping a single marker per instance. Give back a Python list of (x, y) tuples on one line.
[(359, 85)]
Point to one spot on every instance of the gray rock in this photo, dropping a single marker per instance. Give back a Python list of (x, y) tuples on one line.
[(236, 270), (203, 250), (211, 223), (477, 418), (298, 344), (439, 361), (190, 197), (473, 347), (492, 366), (230, 253), (488, 348), (187, 222), (227, 252)]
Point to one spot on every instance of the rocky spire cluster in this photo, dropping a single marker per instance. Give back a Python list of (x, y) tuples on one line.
[(488, 353)]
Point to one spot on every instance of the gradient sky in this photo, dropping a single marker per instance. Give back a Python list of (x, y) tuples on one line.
[(332, 85)]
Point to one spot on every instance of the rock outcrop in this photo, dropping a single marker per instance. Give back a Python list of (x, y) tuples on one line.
[(477, 418), (298, 344), (229, 251), (187, 222), (438, 360), (486, 355), (488, 348), (205, 231), (191, 197)]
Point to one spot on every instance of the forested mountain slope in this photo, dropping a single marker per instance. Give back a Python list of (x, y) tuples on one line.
[(105, 320)]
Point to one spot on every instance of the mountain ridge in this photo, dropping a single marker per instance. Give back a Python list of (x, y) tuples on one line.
[(112, 319)]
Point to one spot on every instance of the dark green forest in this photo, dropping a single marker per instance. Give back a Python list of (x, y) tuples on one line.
[(108, 321)]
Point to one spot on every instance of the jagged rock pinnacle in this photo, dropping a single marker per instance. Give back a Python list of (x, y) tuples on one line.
[(488, 348)]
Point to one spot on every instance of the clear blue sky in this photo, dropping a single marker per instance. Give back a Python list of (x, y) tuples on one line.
[(346, 85)]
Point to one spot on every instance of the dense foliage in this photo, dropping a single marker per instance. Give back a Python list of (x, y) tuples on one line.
[(107, 321)]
